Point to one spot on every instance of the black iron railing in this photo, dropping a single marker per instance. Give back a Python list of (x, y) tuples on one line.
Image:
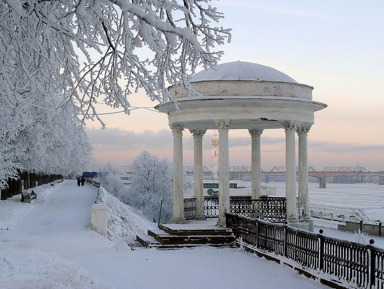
[(211, 207), (189, 208), (362, 265), (93, 183), (266, 208)]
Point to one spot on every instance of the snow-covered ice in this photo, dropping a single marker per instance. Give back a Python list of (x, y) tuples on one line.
[(49, 244), (352, 195)]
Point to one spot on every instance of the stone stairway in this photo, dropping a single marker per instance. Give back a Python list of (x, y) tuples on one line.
[(187, 235)]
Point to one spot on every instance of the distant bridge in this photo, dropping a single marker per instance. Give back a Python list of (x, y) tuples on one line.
[(357, 172)]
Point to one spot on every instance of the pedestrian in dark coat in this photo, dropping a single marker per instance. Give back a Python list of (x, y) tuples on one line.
[(82, 181), (78, 181)]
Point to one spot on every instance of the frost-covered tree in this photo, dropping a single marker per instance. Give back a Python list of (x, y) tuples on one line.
[(39, 138), (110, 179), (151, 183), (54, 143), (81, 52), (14, 117), (90, 50)]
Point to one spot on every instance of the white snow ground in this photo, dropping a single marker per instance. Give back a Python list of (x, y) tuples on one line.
[(49, 244)]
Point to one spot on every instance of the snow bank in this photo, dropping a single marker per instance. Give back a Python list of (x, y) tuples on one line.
[(123, 222), (23, 268)]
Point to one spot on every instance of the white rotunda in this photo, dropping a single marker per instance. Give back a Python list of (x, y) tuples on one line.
[(241, 95)]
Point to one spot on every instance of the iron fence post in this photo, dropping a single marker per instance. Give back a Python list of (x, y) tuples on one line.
[(235, 225), (257, 233), (372, 266), (321, 249), (285, 239)]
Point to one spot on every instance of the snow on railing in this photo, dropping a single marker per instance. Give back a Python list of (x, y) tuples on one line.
[(268, 208), (96, 185), (351, 264)]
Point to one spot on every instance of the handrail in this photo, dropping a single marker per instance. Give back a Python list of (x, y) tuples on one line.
[(268, 208), (93, 183), (96, 185), (352, 262)]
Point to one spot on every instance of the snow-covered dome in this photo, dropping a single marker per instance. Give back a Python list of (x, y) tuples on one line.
[(240, 70), (245, 95)]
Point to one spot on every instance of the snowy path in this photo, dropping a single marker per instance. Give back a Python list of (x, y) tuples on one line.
[(61, 222), (55, 238)]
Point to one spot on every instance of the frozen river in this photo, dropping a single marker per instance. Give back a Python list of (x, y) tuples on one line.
[(352, 195), (369, 197)]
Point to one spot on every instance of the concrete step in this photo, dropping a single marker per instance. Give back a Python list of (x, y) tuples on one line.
[(173, 229), (149, 242), (168, 239)]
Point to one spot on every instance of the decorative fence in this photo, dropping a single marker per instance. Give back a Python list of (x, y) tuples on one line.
[(190, 208), (272, 209), (211, 207), (267, 208), (355, 263)]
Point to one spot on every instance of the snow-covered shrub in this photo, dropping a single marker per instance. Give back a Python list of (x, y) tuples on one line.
[(151, 183), (361, 237)]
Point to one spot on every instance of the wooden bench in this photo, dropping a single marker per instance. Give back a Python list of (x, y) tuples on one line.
[(27, 197)]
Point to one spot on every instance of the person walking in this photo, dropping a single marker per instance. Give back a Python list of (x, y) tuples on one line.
[(78, 181), (82, 181)]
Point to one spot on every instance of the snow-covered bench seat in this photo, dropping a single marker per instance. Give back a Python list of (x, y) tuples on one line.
[(26, 196)]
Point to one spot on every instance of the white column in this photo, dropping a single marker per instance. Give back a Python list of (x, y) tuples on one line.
[(178, 197), (303, 171), (256, 163), (198, 172), (290, 182), (223, 172)]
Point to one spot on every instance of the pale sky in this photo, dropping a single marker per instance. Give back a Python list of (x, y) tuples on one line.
[(335, 46)]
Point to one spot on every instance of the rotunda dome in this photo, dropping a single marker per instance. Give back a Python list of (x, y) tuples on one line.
[(245, 95), (240, 70)]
